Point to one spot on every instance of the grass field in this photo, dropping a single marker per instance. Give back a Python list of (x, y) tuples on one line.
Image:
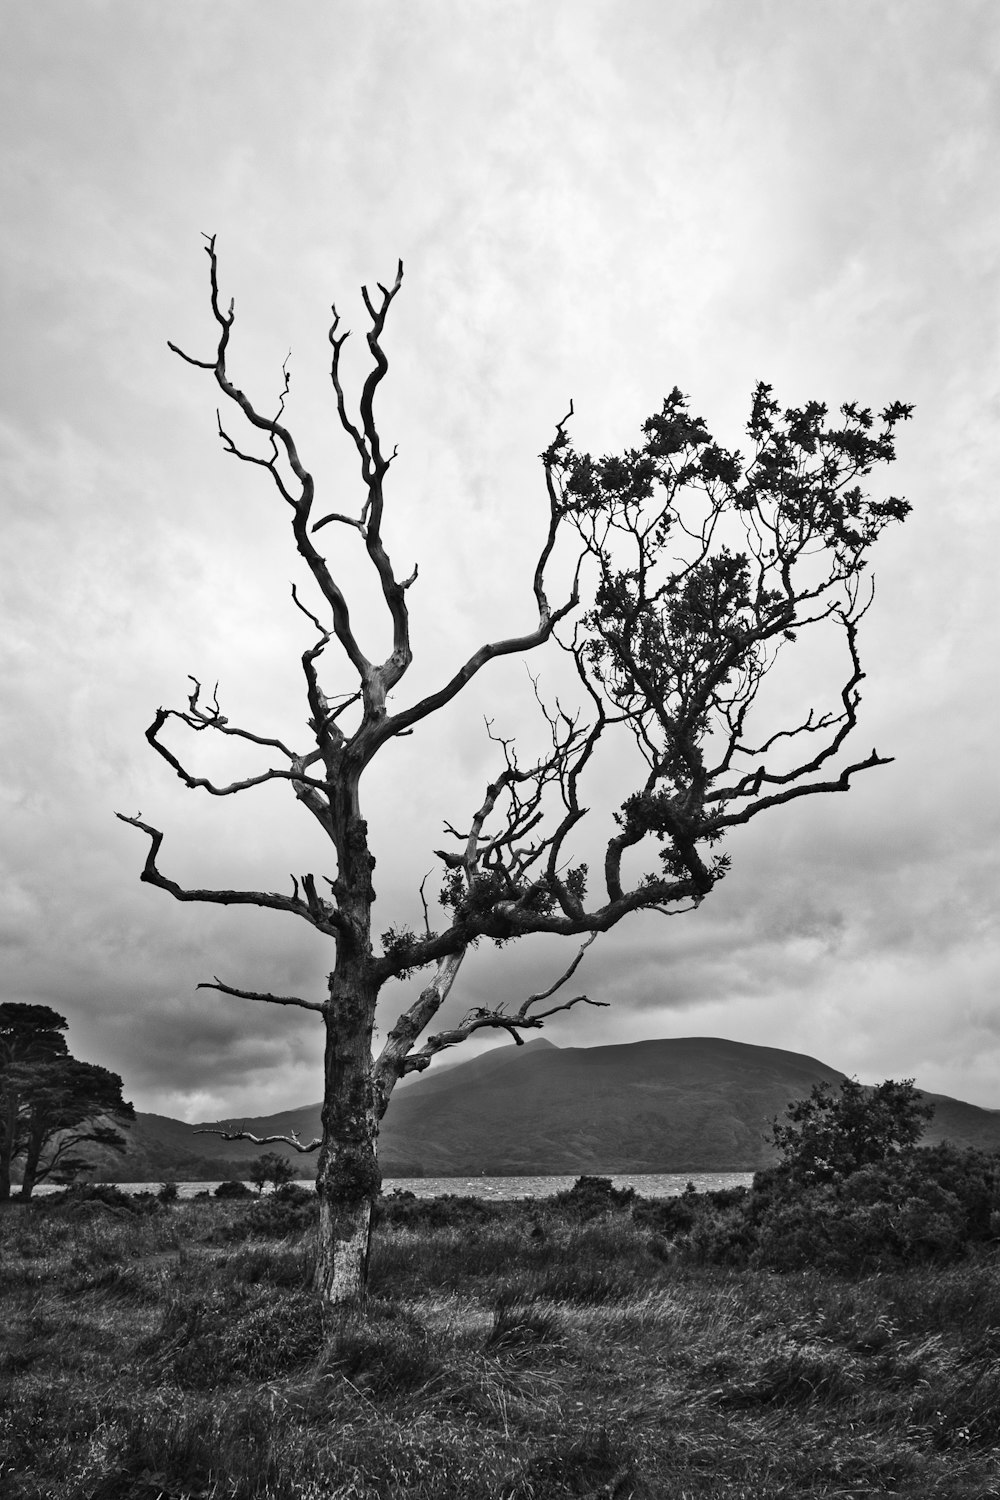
[(510, 1352)]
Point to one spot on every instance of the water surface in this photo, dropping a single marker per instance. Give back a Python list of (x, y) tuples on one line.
[(655, 1185)]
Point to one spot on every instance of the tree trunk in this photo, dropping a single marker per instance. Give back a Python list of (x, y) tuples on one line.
[(33, 1155), (30, 1174), (348, 1180), (344, 1244), (8, 1126)]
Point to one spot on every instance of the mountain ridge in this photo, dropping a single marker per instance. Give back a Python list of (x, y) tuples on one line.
[(698, 1104)]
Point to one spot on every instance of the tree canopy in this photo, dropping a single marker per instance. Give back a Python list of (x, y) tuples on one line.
[(270, 1167), (832, 1134), (52, 1106)]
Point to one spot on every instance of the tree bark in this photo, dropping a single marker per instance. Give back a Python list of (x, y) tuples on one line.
[(348, 1180)]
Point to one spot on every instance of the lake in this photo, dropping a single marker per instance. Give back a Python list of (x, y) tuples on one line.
[(658, 1185)]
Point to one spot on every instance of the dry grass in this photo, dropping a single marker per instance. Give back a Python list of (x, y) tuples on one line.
[(529, 1355)]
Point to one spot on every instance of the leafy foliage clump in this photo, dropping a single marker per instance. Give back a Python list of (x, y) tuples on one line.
[(88, 1197), (289, 1211), (233, 1189), (921, 1206), (270, 1167), (829, 1136), (853, 1192), (53, 1107), (592, 1196)]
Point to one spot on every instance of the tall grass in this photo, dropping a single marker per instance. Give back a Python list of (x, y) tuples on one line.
[(509, 1352)]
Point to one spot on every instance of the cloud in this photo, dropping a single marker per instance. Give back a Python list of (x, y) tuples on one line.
[(592, 203)]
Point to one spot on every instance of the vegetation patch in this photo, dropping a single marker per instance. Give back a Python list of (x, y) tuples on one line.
[(537, 1352)]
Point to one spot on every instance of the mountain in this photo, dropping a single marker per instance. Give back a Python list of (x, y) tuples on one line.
[(685, 1104)]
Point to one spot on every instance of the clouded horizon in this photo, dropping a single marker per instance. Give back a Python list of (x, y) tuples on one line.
[(593, 201)]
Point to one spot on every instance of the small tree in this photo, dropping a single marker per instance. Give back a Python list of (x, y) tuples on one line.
[(703, 564), (270, 1167), (830, 1135), (51, 1104)]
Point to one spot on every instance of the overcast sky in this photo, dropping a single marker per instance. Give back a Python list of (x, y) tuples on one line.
[(595, 201)]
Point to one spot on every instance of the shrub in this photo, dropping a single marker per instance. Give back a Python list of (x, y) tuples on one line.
[(591, 1196), (90, 1198), (828, 1137), (404, 1210), (281, 1214), (296, 1194), (921, 1206), (670, 1216), (233, 1190)]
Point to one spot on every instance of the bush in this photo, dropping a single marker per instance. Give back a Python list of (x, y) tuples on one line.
[(591, 1196), (296, 1194), (233, 1190), (281, 1214), (669, 1216), (829, 1136), (404, 1210), (924, 1206), (91, 1197)]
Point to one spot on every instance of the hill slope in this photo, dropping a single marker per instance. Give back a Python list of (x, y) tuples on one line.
[(684, 1104)]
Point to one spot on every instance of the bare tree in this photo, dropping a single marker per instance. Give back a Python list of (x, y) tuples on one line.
[(702, 567)]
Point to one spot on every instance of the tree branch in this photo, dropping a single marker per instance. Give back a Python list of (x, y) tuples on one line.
[(521, 1020), (321, 915), (548, 618), (264, 1140), (280, 437), (295, 774), (227, 989)]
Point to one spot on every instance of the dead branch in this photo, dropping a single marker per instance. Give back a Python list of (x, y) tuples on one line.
[(481, 1018), (294, 774), (228, 989), (564, 976), (321, 915), (548, 619), (281, 442), (497, 1020), (263, 1140)]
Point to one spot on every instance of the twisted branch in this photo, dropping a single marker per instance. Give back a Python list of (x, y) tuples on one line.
[(319, 914)]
